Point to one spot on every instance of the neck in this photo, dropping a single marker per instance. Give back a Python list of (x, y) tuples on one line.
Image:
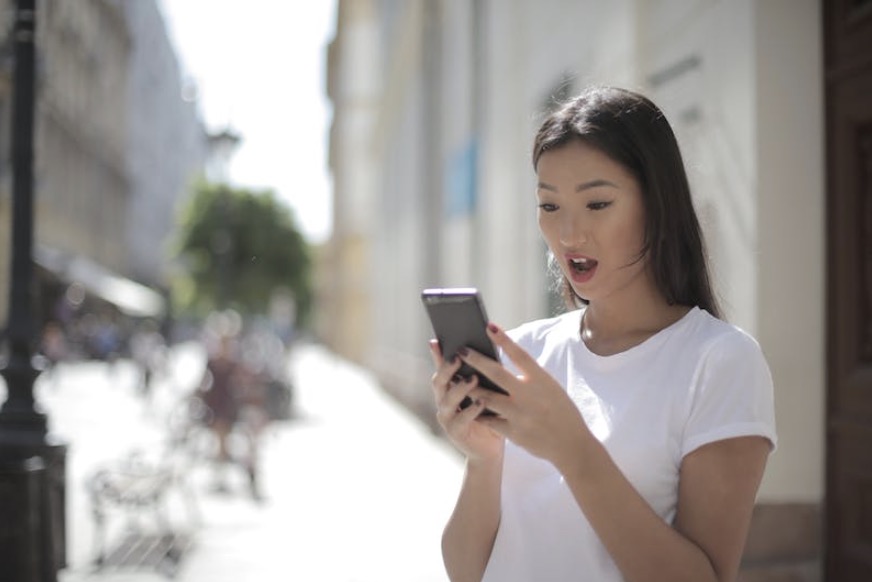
[(614, 326)]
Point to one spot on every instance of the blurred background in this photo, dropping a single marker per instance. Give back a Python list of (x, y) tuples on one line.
[(291, 176)]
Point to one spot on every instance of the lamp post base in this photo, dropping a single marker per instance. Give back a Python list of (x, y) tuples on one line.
[(35, 477)]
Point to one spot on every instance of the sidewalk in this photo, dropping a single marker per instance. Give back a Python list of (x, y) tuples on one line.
[(356, 488)]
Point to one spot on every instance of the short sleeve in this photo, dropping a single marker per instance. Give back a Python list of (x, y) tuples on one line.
[(732, 394)]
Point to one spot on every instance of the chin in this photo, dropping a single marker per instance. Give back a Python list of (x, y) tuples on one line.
[(579, 295)]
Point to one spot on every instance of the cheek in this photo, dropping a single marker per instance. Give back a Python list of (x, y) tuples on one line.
[(628, 239), (632, 239), (638, 231), (547, 230)]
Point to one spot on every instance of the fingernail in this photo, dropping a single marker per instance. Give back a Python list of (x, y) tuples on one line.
[(492, 327)]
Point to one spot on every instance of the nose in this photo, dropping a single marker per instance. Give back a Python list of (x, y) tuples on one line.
[(573, 230)]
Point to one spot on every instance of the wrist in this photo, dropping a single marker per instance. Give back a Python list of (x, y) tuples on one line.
[(485, 462), (581, 458)]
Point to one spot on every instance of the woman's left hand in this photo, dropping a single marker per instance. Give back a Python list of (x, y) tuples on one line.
[(537, 414)]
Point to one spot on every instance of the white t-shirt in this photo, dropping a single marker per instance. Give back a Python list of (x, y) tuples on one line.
[(697, 381)]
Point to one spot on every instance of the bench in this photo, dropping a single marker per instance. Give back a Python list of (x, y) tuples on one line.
[(131, 501)]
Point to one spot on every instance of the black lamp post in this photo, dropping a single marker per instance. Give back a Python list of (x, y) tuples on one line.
[(32, 467)]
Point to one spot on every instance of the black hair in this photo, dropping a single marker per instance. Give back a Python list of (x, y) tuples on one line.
[(632, 131)]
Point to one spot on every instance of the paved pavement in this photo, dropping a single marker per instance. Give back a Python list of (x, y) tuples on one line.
[(356, 488)]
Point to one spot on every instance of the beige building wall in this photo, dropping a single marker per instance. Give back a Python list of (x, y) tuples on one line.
[(344, 309), (742, 84), (109, 160), (791, 298), (80, 186)]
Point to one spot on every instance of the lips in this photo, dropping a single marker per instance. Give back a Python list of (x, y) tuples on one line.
[(581, 268)]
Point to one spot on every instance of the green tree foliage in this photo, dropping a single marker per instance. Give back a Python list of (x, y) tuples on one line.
[(239, 247)]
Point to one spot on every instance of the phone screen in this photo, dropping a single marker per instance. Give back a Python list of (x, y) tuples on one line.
[(459, 319)]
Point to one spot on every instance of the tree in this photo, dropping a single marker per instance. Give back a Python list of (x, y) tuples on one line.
[(239, 248)]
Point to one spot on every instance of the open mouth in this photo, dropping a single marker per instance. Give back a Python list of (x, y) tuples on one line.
[(582, 264)]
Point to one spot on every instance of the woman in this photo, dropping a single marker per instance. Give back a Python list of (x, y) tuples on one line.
[(220, 390), (638, 424)]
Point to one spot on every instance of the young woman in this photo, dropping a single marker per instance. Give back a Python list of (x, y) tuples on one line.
[(638, 424)]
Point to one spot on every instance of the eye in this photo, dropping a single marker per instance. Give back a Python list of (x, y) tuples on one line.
[(547, 207), (598, 205)]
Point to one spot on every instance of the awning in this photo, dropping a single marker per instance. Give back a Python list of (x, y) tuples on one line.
[(130, 297)]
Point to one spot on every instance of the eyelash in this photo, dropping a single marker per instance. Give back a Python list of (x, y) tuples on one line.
[(595, 206)]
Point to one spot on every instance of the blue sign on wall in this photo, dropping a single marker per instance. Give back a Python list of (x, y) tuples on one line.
[(462, 181)]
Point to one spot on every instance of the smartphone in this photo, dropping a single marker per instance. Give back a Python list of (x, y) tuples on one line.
[(459, 319)]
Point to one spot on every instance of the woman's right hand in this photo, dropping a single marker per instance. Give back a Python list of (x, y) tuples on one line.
[(477, 441)]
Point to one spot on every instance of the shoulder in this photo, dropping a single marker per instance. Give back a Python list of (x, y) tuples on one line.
[(731, 393), (728, 360), (713, 337)]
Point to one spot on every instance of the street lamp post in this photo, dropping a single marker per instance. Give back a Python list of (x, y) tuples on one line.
[(33, 475), (222, 146)]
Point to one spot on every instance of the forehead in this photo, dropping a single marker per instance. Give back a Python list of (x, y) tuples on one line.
[(580, 160)]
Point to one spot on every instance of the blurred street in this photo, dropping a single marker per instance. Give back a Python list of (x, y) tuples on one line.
[(356, 489)]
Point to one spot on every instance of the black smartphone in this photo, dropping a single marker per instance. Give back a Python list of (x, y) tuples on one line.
[(459, 319)]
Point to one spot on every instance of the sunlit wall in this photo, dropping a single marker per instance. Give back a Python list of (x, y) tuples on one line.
[(461, 89)]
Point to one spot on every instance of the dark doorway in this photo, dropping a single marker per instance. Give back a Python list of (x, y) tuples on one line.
[(848, 97)]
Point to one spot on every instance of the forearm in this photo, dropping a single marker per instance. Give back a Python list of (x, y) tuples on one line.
[(644, 547), (469, 535)]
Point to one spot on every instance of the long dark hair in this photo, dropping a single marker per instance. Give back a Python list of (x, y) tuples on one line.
[(633, 132)]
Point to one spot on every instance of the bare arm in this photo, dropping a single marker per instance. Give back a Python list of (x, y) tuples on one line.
[(469, 535), (718, 484), (470, 532)]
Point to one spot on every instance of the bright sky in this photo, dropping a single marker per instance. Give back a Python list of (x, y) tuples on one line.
[(259, 66)]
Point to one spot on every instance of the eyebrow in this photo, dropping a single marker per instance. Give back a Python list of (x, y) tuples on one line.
[(583, 186)]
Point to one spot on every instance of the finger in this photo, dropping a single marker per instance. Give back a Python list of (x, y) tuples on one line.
[(458, 391), (491, 368), (435, 352), (469, 414), (496, 423), (448, 407), (525, 363), (500, 404), (459, 423), (439, 363), (445, 372)]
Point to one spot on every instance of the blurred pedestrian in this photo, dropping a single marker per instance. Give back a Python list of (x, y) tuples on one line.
[(233, 394), (148, 352), (53, 347), (218, 392), (251, 423), (637, 425), (53, 344)]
